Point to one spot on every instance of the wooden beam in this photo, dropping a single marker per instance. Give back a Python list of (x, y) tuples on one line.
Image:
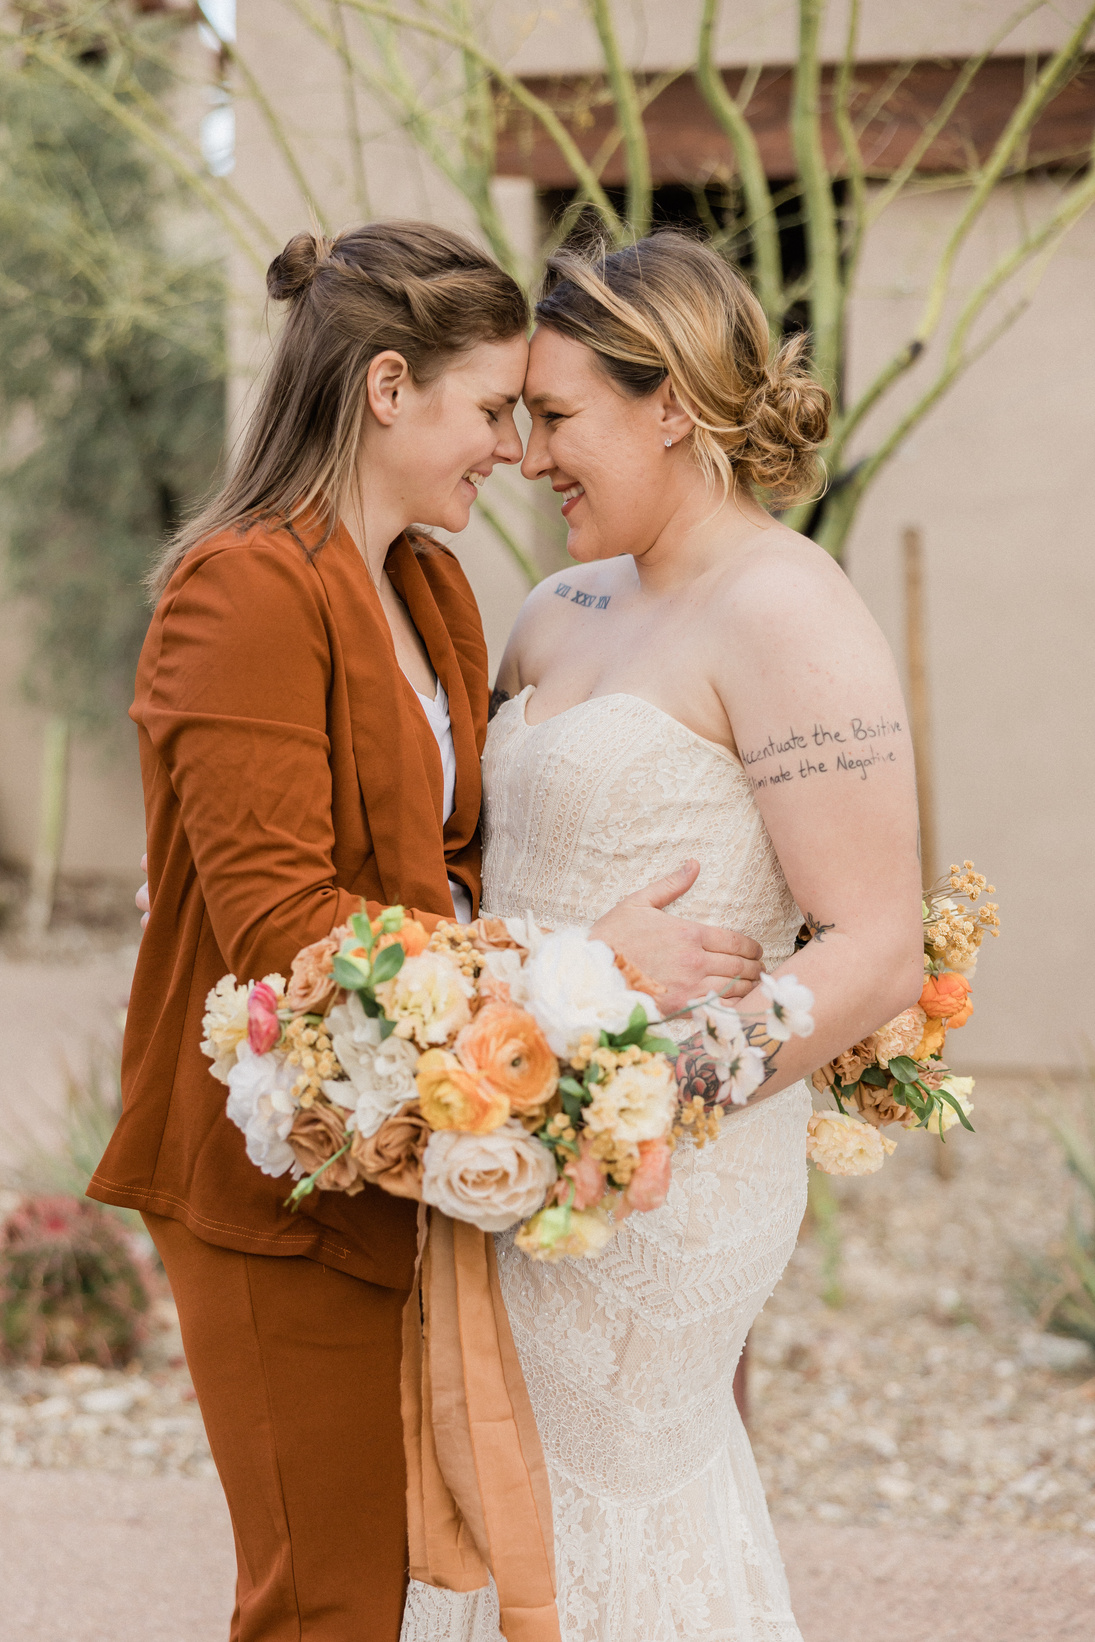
[(687, 145)]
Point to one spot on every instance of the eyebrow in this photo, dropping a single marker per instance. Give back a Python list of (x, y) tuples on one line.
[(540, 399)]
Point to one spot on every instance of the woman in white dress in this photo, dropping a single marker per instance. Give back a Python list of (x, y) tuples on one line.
[(704, 685)]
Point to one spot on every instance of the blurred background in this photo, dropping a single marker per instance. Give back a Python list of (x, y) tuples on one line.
[(912, 183)]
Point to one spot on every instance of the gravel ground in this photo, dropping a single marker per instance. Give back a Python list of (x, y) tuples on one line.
[(928, 1396)]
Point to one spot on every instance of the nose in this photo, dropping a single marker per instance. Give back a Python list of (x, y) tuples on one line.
[(536, 462), (508, 447)]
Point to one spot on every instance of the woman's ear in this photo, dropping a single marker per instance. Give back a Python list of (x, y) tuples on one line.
[(674, 422), (386, 383)]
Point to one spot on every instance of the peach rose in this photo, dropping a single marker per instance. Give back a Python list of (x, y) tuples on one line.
[(932, 1041), (585, 1175), (316, 1135), (946, 997), (505, 1047), (649, 1185), (412, 937), (311, 983), (450, 1097), (392, 1157)]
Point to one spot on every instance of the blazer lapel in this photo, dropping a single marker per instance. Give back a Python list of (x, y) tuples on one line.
[(423, 583), (398, 764)]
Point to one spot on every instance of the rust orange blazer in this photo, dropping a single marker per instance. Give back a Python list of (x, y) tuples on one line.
[(289, 773)]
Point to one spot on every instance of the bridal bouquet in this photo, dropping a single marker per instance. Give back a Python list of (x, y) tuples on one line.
[(898, 1074), (505, 1076)]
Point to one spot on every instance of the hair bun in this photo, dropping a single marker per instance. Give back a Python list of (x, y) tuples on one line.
[(787, 415), (293, 270)]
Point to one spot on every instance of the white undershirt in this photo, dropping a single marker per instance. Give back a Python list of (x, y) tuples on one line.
[(437, 716)]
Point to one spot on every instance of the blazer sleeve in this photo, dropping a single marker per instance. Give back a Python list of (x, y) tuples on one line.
[(236, 710)]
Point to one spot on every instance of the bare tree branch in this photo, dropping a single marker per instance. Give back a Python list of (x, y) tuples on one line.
[(621, 83), (823, 247), (767, 259)]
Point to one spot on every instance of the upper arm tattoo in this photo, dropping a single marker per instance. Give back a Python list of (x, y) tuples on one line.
[(852, 746)]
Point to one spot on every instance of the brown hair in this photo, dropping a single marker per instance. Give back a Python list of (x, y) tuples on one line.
[(669, 306), (427, 293)]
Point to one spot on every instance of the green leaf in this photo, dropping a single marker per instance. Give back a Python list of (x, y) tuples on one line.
[(660, 1046), (349, 974), (363, 929), (875, 1076), (369, 1004), (941, 1094), (571, 1086), (387, 963), (593, 1074), (387, 1027), (903, 1069), (391, 920)]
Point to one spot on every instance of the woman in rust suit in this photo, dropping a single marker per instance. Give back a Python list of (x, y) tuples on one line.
[(291, 775)]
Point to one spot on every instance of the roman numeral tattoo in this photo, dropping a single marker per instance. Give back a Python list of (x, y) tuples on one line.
[(586, 601)]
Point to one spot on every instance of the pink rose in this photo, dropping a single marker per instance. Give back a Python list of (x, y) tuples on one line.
[(584, 1174), (649, 1184), (263, 1026)]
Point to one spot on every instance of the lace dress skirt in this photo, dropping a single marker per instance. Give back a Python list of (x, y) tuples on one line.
[(661, 1527)]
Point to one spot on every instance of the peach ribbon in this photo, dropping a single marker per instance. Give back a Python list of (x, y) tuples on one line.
[(478, 1499)]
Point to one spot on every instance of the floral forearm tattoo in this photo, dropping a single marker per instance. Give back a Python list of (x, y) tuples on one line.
[(697, 1073)]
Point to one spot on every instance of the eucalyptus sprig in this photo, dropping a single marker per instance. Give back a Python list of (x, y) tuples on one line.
[(361, 964)]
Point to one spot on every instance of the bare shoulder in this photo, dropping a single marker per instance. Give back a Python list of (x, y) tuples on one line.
[(551, 607), (786, 598)]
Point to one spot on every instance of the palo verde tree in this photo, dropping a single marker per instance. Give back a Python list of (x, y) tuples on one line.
[(427, 69)]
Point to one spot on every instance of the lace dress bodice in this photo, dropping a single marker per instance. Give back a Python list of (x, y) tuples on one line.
[(661, 1528), (594, 803)]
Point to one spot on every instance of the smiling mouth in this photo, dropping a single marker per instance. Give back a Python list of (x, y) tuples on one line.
[(571, 495), (474, 478)]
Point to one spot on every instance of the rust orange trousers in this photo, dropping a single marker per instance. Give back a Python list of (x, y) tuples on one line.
[(296, 1368)]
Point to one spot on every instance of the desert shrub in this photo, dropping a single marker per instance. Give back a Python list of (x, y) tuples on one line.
[(1061, 1290), (71, 1288)]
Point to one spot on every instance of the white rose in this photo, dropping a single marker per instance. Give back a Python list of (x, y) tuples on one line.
[(492, 1180), (224, 1023), (508, 968), (381, 1074), (789, 1006), (636, 1103), (841, 1144), (260, 1102), (574, 987), (427, 999)]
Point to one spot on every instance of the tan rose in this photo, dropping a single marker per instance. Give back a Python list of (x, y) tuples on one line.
[(878, 1106), (899, 1036), (317, 1134), (492, 935), (850, 1065), (492, 1180), (507, 1050), (450, 1097), (311, 983), (392, 1157)]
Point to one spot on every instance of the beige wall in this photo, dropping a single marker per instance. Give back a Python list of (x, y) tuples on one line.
[(999, 478)]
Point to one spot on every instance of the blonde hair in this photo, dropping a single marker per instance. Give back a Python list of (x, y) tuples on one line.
[(425, 292), (668, 306)]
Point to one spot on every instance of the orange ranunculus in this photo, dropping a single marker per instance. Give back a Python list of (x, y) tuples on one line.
[(932, 1041), (506, 1048), (451, 1097), (412, 937), (946, 997)]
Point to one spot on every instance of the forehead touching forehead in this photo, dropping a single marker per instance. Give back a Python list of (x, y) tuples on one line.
[(560, 368), (493, 370)]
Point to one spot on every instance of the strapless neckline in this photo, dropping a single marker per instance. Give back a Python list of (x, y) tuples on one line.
[(521, 701)]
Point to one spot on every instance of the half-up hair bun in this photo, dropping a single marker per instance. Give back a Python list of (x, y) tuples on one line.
[(293, 270), (669, 306)]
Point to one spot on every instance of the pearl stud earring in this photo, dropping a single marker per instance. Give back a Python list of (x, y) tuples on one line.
[(668, 442)]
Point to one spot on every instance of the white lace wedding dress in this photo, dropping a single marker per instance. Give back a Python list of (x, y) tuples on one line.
[(661, 1527)]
